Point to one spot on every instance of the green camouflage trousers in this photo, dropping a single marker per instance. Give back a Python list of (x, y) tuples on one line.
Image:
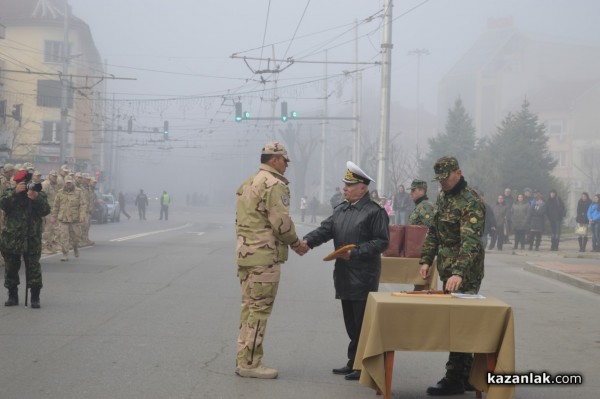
[(33, 269), (259, 287)]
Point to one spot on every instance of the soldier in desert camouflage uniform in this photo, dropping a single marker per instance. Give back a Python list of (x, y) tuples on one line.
[(455, 238), (264, 231), (423, 212), (89, 192), (49, 237), (64, 172), (69, 209)]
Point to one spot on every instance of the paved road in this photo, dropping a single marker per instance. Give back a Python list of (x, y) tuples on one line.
[(151, 311)]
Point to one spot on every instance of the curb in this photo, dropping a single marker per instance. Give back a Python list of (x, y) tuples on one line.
[(563, 277)]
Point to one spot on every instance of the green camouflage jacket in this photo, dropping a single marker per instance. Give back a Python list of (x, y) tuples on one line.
[(22, 230), (423, 212), (263, 225), (455, 237)]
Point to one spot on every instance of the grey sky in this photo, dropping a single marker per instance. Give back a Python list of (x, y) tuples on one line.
[(190, 43)]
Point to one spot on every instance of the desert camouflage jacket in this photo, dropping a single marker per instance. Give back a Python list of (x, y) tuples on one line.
[(455, 237), (22, 230), (70, 206), (263, 225)]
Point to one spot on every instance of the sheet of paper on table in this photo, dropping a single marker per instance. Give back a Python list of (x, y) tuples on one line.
[(467, 296)]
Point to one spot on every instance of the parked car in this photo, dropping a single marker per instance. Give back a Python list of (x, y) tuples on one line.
[(100, 211), (114, 208)]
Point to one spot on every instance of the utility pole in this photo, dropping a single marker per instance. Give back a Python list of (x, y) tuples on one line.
[(64, 99), (323, 134), (386, 80), (418, 52), (356, 104)]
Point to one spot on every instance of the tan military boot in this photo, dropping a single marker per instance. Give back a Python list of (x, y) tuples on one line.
[(64, 258), (257, 372)]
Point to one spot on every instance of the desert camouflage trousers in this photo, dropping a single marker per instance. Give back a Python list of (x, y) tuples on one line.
[(50, 233), (259, 287), (84, 237), (68, 234)]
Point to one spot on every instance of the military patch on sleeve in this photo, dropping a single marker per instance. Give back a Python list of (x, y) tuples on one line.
[(473, 220), (285, 199)]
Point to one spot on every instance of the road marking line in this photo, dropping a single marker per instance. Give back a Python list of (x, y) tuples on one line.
[(150, 233)]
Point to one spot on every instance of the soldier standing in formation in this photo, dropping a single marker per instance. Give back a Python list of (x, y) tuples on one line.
[(264, 231), (22, 237), (363, 222), (88, 190), (6, 182), (423, 212), (70, 210), (455, 238), (49, 236)]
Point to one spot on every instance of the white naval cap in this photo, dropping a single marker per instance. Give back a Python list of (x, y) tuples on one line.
[(354, 174)]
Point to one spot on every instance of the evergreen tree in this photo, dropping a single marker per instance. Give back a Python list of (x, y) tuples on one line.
[(517, 156), (458, 140)]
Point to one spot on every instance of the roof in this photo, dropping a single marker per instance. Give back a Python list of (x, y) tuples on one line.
[(26, 11)]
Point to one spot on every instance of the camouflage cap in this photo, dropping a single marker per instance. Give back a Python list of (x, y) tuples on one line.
[(65, 168), (37, 173), (86, 176), (8, 167), (275, 148), (52, 173), (27, 165), (417, 183), (443, 167), (69, 179), (78, 174), (18, 167)]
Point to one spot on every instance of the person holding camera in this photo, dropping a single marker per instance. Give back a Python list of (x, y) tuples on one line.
[(24, 206)]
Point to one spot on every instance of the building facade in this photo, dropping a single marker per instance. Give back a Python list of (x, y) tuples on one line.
[(34, 88)]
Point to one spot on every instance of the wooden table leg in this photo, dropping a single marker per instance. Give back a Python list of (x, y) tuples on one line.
[(490, 359), (389, 371)]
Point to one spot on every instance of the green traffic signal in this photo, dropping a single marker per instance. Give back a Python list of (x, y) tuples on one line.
[(294, 114), (247, 115)]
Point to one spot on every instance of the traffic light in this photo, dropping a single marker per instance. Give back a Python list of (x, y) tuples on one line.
[(294, 114), (166, 130), (246, 114), (238, 112), (17, 112), (130, 125), (284, 111)]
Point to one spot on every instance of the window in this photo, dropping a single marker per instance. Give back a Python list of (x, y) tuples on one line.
[(555, 127), (49, 94), (561, 157), (50, 131)]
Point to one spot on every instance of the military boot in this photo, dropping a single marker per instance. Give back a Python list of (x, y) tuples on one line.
[(35, 297), (257, 372), (76, 251), (13, 297)]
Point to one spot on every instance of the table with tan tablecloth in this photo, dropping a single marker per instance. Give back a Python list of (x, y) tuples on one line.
[(425, 323), (406, 271)]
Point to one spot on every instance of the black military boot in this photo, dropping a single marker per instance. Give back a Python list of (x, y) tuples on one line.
[(447, 386), (35, 297), (13, 297)]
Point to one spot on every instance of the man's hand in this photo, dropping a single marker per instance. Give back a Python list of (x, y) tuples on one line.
[(453, 283), (20, 187), (345, 255), (302, 248), (424, 271), (32, 194)]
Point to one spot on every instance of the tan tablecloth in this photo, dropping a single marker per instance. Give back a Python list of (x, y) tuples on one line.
[(406, 271), (416, 323)]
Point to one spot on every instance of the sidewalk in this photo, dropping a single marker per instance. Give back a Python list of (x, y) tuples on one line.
[(580, 269)]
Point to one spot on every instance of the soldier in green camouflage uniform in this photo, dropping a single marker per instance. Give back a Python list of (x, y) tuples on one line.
[(423, 212), (22, 237), (455, 238), (69, 209), (264, 231), (6, 182)]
